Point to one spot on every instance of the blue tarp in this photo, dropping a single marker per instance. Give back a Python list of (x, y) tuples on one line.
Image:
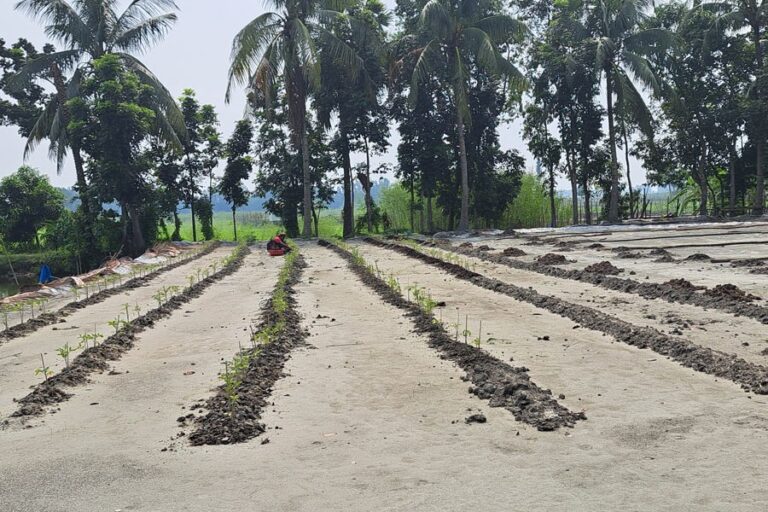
[(46, 276)]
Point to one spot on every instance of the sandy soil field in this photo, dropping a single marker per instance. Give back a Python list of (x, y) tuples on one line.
[(367, 412)]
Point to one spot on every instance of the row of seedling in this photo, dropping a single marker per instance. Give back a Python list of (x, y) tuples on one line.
[(236, 370), (92, 340), (27, 309), (421, 296), (31, 308)]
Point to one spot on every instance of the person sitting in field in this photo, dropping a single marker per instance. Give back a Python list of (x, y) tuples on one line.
[(277, 246)]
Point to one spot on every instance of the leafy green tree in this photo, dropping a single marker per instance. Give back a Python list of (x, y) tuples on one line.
[(286, 44), (113, 116), (28, 202), (564, 81), (461, 36), (238, 169), (700, 108), (200, 152), (88, 30), (20, 107), (205, 211), (750, 18), (622, 47), (546, 148), (363, 120)]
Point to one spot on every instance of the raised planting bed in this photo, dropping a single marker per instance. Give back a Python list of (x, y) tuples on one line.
[(96, 355), (492, 379), (54, 317), (233, 414), (733, 303), (750, 376)]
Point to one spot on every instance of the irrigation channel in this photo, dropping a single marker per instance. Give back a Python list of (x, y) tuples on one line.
[(367, 404)]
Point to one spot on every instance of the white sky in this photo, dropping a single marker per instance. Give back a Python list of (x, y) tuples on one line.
[(195, 54)]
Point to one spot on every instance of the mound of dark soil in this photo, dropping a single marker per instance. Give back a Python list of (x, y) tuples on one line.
[(485, 248), (605, 268), (759, 270), (466, 245), (747, 263), (552, 259), (225, 423), (513, 252), (699, 256), (665, 259), (682, 284), (659, 252), (629, 255), (732, 292), (596, 245)]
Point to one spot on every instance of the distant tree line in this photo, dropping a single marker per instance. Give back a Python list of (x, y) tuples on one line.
[(679, 86)]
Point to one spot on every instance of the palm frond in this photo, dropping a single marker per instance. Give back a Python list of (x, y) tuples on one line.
[(436, 17), (429, 59), (249, 45), (649, 41), (302, 53), (479, 43), (631, 102), (42, 127), (40, 66), (63, 21), (502, 28), (164, 103), (642, 70), (145, 34)]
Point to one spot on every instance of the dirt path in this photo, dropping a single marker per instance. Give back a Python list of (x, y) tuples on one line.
[(21, 356), (719, 330)]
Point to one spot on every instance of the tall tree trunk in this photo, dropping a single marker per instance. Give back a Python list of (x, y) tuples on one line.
[(574, 186), (413, 205), (369, 186), (732, 185), (701, 175), (133, 235), (192, 200), (307, 232), (552, 206), (464, 215), (234, 221), (348, 211), (176, 236), (316, 217), (291, 220), (759, 204), (430, 221), (629, 176), (613, 207)]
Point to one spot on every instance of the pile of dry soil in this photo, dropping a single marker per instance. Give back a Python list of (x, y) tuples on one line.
[(605, 268), (552, 259)]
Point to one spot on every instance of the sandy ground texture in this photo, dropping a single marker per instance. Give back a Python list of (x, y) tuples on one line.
[(720, 243), (20, 357), (716, 329), (369, 418)]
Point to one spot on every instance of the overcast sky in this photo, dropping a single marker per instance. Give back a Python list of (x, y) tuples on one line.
[(195, 54)]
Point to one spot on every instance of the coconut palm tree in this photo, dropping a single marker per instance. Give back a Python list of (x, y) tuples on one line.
[(87, 30), (460, 35), (621, 49), (285, 43)]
